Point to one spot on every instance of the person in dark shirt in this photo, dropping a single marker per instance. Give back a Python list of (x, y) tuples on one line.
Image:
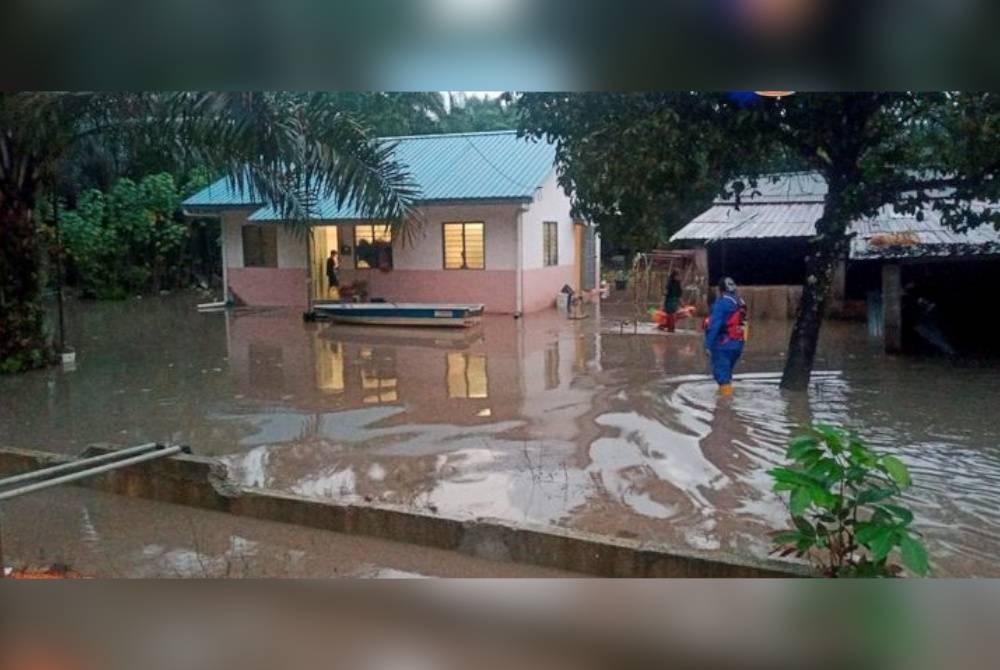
[(672, 302), (331, 271)]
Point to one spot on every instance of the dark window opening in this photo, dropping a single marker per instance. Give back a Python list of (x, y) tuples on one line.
[(260, 247)]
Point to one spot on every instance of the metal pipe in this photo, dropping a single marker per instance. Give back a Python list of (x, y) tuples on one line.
[(93, 460), (66, 479)]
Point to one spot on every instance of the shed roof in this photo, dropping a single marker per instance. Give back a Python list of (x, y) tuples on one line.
[(449, 167), (788, 206)]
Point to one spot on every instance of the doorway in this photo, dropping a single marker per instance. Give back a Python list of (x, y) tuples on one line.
[(324, 240)]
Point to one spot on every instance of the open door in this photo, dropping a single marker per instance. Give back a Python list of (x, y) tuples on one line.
[(324, 240)]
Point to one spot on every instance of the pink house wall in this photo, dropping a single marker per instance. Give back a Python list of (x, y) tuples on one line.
[(269, 287), (496, 289), (541, 286)]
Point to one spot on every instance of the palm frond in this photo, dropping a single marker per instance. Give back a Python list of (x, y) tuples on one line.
[(291, 152)]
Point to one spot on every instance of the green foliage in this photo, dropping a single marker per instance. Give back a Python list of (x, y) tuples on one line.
[(840, 494), (478, 115), (640, 165), (128, 240), (285, 148), (22, 344)]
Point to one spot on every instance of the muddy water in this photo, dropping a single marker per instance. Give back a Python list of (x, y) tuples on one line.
[(577, 423)]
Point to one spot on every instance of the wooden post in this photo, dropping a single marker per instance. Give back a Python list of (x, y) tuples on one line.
[(892, 308)]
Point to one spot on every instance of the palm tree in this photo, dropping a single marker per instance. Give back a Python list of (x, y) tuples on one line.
[(281, 148)]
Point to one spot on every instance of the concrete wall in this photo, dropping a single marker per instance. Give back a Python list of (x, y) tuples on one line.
[(418, 273), (782, 302), (541, 283), (204, 483), (284, 285), (291, 246)]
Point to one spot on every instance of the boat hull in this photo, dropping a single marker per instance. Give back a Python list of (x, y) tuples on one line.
[(398, 314)]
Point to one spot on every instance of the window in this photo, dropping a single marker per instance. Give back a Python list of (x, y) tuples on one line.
[(260, 247), (373, 246), (550, 243), (464, 246)]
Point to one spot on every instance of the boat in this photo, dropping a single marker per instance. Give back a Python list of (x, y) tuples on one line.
[(401, 314)]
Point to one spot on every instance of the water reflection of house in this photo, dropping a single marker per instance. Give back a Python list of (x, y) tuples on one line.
[(441, 377), (495, 229), (763, 244)]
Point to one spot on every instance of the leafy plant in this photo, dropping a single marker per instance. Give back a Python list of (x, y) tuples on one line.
[(128, 240), (841, 496)]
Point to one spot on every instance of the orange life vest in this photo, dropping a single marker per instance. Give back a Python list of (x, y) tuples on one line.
[(736, 325)]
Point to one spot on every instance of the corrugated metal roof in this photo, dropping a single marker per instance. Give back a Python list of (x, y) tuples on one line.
[(752, 221), (895, 235), (461, 166), (790, 208), (222, 193)]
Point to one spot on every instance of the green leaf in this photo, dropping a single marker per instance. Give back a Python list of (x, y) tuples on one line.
[(904, 515), (914, 555), (823, 498), (805, 528), (788, 476), (827, 470), (883, 542), (799, 503), (874, 495), (809, 457), (801, 445), (786, 537), (865, 531), (832, 437), (896, 470)]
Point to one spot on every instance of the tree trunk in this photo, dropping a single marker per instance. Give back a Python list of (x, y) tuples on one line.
[(826, 249), (23, 344)]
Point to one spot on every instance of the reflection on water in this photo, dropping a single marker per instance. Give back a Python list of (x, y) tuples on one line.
[(467, 375), (539, 420)]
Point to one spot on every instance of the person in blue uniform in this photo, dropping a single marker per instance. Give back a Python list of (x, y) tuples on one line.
[(725, 334)]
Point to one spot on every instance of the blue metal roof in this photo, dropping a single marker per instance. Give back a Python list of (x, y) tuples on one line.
[(451, 167), (222, 193)]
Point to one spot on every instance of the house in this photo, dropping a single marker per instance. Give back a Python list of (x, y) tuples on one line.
[(495, 228), (762, 244)]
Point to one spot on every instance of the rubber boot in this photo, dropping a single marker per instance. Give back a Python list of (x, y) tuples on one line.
[(725, 389)]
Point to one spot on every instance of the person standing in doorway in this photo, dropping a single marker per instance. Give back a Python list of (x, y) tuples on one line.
[(725, 334), (331, 272), (672, 302)]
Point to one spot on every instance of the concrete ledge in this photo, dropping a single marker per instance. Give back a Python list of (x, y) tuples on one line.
[(201, 482)]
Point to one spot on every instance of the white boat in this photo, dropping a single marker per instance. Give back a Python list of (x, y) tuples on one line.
[(401, 314)]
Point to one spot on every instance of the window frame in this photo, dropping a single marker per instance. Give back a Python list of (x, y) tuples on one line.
[(546, 260), (259, 230), (444, 245), (373, 226)]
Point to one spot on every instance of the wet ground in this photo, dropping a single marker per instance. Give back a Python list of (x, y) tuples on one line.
[(577, 423), (102, 535)]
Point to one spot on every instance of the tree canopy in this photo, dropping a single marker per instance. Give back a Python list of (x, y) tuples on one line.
[(284, 148), (638, 163)]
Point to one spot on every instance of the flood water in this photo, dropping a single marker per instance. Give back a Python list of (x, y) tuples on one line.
[(541, 420)]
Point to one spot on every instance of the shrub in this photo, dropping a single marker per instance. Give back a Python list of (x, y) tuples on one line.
[(840, 497), (130, 239)]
